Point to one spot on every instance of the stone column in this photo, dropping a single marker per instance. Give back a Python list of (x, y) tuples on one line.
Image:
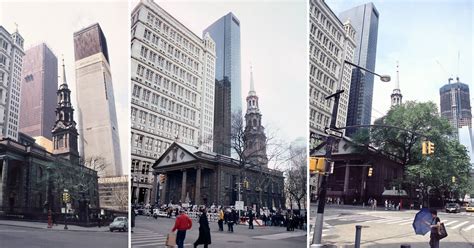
[(163, 190), (346, 179), (363, 183), (146, 198), (154, 189), (3, 189), (137, 194), (183, 186), (198, 186)]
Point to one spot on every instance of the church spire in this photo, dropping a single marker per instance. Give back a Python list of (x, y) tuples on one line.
[(252, 86), (64, 73), (396, 97)]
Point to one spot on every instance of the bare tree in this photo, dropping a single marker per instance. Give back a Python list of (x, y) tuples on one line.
[(296, 176), (97, 163)]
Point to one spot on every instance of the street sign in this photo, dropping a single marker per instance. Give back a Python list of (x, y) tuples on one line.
[(239, 205), (332, 132)]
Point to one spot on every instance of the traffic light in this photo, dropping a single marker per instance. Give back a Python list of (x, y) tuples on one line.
[(427, 148), (371, 171), (431, 148), (66, 197), (453, 179), (317, 164)]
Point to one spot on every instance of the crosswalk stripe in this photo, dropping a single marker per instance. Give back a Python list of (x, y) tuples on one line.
[(147, 241), (459, 225), (450, 222), (468, 228), (148, 238), (406, 222), (156, 244)]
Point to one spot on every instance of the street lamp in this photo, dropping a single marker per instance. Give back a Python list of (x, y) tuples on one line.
[(318, 227)]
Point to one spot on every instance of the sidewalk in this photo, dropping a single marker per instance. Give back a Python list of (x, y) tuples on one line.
[(60, 227)]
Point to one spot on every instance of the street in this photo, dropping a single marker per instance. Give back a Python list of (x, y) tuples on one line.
[(12, 236), (150, 232), (389, 228)]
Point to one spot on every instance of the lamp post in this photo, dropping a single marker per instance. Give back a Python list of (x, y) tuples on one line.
[(330, 140)]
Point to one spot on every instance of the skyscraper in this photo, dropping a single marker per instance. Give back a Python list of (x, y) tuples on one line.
[(226, 34), (95, 99), (365, 20), (330, 43), (222, 117), (39, 83), (11, 63), (455, 104), (173, 83)]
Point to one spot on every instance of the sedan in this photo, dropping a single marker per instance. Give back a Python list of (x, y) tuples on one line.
[(119, 223)]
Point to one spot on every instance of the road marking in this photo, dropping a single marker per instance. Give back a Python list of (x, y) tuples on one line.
[(459, 225), (149, 238), (399, 221), (468, 228), (281, 236), (450, 222), (406, 222), (157, 244)]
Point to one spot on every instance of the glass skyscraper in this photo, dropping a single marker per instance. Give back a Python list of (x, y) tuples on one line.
[(226, 34), (365, 20)]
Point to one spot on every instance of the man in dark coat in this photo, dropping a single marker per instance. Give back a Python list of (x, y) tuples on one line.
[(231, 218), (204, 237), (251, 216)]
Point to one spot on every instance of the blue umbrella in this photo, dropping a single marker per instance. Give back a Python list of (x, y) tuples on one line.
[(420, 222)]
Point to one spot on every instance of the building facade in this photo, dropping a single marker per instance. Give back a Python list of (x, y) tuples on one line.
[(39, 83), (173, 83), (95, 99), (226, 34), (11, 63), (455, 104), (330, 43), (199, 178), (396, 96), (113, 193), (365, 19)]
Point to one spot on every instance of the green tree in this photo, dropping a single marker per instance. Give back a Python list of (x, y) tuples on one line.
[(401, 133)]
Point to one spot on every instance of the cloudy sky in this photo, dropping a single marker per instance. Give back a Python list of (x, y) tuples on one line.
[(273, 40), (55, 22), (421, 35)]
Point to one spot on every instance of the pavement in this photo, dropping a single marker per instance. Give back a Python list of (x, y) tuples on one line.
[(389, 228), (34, 235), (150, 232), (60, 227)]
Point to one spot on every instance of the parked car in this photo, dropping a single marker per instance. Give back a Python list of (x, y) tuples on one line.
[(119, 223), (470, 207), (452, 208)]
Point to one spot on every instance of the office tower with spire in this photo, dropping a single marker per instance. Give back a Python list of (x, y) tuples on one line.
[(95, 100), (39, 82), (254, 139), (11, 63), (365, 20), (64, 130), (173, 84), (226, 34), (455, 103), (396, 96), (328, 72)]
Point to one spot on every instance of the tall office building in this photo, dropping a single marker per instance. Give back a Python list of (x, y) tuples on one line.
[(226, 34), (173, 83), (222, 117), (39, 83), (365, 19), (455, 104), (95, 99), (330, 43), (11, 63)]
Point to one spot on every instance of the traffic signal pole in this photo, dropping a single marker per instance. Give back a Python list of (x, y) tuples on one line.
[(318, 227)]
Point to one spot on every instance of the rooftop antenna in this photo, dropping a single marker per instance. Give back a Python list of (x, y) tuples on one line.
[(459, 58)]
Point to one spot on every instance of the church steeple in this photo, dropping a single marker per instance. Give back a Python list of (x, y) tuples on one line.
[(396, 96), (64, 130), (254, 136)]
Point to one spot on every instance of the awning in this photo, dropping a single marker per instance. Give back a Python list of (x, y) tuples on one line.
[(394, 192)]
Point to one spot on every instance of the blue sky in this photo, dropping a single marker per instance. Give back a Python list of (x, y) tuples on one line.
[(418, 34)]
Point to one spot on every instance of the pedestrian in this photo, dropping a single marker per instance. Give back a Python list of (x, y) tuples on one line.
[(133, 218), (220, 221), (183, 223), (435, 225), (251, 216), (386, 204), (231, 219), (204, 237), (99, 221), (374, 206)]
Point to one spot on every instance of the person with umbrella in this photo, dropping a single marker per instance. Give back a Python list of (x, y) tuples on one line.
[(426, 221), (434, 225), (204, 237)]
